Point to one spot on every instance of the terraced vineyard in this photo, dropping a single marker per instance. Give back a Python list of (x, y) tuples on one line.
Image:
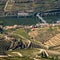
[(41, 43), (54, 41), (22, 43)]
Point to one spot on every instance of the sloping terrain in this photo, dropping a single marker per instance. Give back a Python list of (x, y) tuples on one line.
[(54, 41), (38, 5), (30, 43)]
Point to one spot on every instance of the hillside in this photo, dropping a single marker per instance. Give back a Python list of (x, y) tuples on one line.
[(28, 43), (43, 5), (22, 37), (37, 5)]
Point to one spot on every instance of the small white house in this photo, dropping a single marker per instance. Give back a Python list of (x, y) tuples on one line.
[(23, 14)]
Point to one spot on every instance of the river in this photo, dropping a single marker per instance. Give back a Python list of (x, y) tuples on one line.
[(28, 20), (52, 18)]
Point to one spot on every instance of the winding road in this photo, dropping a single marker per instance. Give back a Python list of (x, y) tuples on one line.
[(41, 18)]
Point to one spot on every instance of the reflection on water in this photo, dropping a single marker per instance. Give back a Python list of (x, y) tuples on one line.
[(18, 20), (28, 20), (52, 18)]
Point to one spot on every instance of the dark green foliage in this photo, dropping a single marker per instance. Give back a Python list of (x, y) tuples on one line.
[(1, 30), (4, 45)]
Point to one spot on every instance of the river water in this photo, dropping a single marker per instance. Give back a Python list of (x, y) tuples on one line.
[(52, 18), (28, 20)]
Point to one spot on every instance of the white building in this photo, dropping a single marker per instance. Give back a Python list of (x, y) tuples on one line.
[(23, 14)]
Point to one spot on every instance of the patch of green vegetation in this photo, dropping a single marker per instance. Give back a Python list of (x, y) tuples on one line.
[(27, 54), (21, 32), (2, 59), (16, 58), (4, 45)]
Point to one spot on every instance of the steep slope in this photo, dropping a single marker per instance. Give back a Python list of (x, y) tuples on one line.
[(54, 41)]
